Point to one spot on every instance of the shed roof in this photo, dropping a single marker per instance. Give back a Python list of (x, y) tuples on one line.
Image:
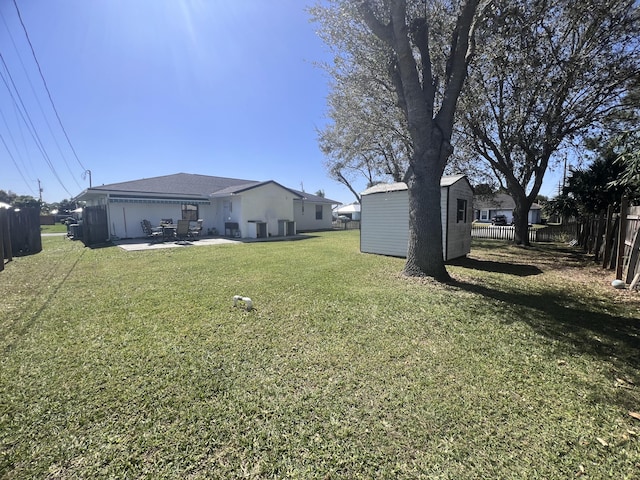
[(445, 181)]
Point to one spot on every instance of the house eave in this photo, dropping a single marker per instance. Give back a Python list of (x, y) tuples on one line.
[(114, 196)]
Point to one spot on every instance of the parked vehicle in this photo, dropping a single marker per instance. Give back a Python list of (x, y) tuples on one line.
[(499, 220)]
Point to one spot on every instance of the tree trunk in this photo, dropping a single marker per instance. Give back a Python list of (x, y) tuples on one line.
[(430, 134), (424, 252), (521, 220)]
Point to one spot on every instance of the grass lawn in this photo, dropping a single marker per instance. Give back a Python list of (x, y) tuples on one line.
[(136, 364), (57, 228)]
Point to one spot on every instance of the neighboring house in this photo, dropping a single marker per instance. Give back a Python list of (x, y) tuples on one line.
[(485, 207), (351, 211), (384, 224), (229, 206)]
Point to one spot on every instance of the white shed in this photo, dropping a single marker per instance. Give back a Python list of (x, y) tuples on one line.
[(384, 227)]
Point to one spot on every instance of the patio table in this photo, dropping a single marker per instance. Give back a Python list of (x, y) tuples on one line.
[(168, 231)]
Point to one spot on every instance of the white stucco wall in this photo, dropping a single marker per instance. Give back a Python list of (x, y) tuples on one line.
[(305, 215), (125, 217), (267, 203)]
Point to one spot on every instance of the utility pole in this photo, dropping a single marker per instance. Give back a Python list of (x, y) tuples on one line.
[(40, 190), (84, 176)]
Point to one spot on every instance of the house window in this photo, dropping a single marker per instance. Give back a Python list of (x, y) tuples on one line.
[(318, 212), (189, 212), (484, 215), (462, 211)]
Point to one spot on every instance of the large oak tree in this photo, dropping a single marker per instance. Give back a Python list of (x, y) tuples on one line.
[(545, 73), (426, 74)]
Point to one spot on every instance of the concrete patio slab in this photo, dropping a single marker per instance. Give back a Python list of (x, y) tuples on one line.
[(137, 244)]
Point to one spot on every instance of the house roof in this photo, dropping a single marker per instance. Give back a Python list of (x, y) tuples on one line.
[(351, 208), (176, 184), (445, 181), (497, 201), (189, 185), (235, 189), (314, 198)]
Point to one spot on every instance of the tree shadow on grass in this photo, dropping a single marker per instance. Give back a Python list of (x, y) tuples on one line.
[(563, 318), (497, 267)]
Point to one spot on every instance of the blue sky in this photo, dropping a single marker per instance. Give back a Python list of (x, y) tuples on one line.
[(156, 87)]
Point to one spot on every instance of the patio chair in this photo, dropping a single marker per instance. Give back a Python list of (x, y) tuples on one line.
[(196, 229), (149, 231), (182, 230)]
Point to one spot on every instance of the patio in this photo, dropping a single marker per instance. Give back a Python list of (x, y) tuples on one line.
[(136, 244)]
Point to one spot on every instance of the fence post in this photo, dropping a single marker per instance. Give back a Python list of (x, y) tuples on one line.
[(2, 228), (599, 236), (621, 237), (608, 237), (6, 235), (632, 260)]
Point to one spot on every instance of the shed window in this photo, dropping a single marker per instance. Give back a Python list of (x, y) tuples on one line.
[(462, 211), (318, 212)]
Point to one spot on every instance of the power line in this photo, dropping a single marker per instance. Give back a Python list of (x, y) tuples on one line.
[(15, 163), (33, 131), (37, 99), (24, 28), (15, 146)]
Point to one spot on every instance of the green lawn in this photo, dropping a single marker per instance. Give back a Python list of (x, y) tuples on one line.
[(136, 365), (57, 228)]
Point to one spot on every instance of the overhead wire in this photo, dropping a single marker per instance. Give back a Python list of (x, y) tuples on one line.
[(37, 99), (15, 146), (24, 28), (29, 167), (34, 133), (16, 163)]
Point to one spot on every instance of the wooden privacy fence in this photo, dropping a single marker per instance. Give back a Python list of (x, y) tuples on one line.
[(5, 239), (348, 225), (19, 233), (613, 239), (95, 227), (628, 261)]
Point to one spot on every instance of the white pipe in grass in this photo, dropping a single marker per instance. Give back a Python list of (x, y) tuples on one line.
[(247, 301)]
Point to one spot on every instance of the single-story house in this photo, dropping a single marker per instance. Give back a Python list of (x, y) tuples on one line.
[(351, 211), (485, 207), (384, 224), (228, 206)]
